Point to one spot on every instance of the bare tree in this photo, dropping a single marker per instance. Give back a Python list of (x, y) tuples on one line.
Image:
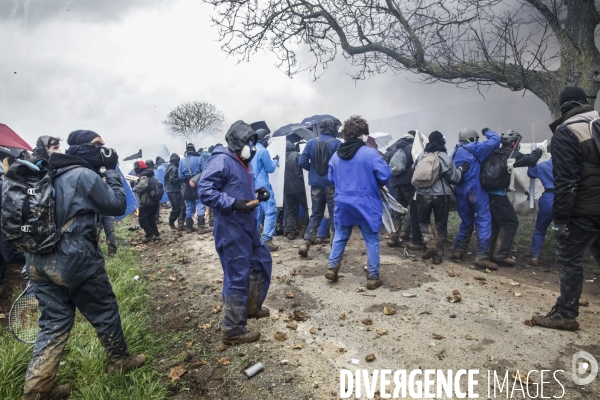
[(193, 118), (536, 45)]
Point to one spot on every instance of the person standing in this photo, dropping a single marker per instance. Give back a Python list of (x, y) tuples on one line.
[(408, 230), (261, 166), (433, 195), (173, 188), (293, 190), (226, 187), (191, 166), (357, 172), (576, 207), (72, 276), (471, 200), (315, 159), (543, 172), (148, 205)]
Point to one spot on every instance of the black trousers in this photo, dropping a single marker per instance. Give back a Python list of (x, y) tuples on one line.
[(177, 207), (405, 196), (147, 219), (439, 206), (504, 226), (96, 301), (108, 223), (584, 232), (292, 203)]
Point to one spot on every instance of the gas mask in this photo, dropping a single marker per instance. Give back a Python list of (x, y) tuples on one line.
[(248, 151)]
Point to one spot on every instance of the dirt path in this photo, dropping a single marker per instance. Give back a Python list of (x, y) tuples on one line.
[(483, 331)]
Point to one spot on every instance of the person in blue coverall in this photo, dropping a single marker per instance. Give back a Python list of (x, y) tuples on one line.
[(357, 172), (472, 201), (543, 172), (260, 167), (322, 190), (226, 187), (192, 165)]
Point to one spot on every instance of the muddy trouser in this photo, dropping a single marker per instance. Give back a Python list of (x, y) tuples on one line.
[(584, 231), (473, 209), (543, 221), (504, 226), (108, 223), (321, 196), (147, 219), (440, 207), (292, 210), (177, 207), (409, 223), (246, 280), (95, 299)]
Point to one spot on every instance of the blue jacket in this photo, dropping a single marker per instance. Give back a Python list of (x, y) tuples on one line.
[(159, 173), (475, 154), (196, 166), (307, 160), (261, 166), (357, 197), (543, 172)]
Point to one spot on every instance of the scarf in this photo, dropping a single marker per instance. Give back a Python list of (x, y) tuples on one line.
[(348, 149)]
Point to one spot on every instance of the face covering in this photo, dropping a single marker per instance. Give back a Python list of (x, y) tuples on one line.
[(365, 138), (248, 152), (89, 153)]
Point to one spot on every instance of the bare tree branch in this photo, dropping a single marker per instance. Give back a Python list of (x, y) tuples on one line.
[(190, 119)]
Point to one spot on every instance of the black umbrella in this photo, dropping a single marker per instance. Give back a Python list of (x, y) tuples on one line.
[(294, 133), (134, 156), (315, 120), (260, 125)]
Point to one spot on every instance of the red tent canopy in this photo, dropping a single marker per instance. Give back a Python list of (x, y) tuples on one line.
[(9, 138)]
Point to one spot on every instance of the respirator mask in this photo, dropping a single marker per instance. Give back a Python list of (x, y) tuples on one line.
[(248, 151)]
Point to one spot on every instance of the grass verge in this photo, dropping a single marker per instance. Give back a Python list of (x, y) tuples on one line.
[(83, 364)]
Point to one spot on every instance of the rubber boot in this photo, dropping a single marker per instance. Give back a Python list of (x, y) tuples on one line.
[(126, 364), (202, 227), (555, 320), (189, 225), (484, 262), (303, 250), (332, 273), (248, 337)]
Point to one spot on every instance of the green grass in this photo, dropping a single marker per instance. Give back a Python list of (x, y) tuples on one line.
[(83, 364)]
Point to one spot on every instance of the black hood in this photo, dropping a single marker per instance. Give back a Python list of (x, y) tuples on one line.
[(238, 135), (349, 148), (60, 160), (174, 158), (147, 172), (329, 127), (289, 146), (402, 143)]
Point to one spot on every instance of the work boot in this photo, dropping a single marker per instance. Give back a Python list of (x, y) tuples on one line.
[(148, 238), (322, 240), (534, 262), (189, 225), (272, 246), (126, 363), (484, 262), (248, 337), (303, 250), (332, 273), (58, 392), (262, 313), (373, 282), (414, 246), (393, 241), (436, 259), (172, 225), (290, 235), (456, 255), (428, 252), (555, 320), (507, 260), (405, 237)]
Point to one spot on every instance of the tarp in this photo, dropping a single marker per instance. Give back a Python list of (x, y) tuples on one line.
[(9, 138), (132, 203)]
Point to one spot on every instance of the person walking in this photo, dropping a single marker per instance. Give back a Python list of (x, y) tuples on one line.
[(189, 168), (147, 183), (293, 190), (173, 187)]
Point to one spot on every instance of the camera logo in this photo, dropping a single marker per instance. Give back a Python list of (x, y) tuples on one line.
[(582, 364)]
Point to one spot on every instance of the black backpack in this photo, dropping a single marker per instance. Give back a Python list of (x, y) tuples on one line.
[(322, 156), (494, 172), (155, 189), (28, 207)]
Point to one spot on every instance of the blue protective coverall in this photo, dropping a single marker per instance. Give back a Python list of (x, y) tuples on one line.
[(543, 172), (260, 167), (245, 259), (189, 166), (159, 173), (471, 200)]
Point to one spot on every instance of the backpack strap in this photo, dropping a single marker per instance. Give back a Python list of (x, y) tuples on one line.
[(187, 162)]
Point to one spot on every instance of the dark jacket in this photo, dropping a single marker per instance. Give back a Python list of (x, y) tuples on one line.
[(406, 144), (522, 160), (575, 166), (85, 195), (307, 160), (142, 187), (172, 180), (294, 177)]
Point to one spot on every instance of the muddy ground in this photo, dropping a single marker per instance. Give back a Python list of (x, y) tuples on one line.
[(484, 331)]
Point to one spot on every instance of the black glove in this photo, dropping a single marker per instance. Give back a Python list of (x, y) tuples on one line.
[(464, 167), (110, 158), (262, 194), (240, 205), (276, 157), (484, 131), (560, 231)]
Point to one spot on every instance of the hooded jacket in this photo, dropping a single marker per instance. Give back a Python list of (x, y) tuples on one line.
[(172, 180), (86, 196), (294, 177), (261, 166), (142, 187), (405, 143), (449, 175), (307, 159)]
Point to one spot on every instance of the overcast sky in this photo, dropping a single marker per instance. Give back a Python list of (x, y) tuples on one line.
[(118, 67)]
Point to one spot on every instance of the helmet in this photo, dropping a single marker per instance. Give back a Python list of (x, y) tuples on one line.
[(150, 164), (263, 136), (509, 137), (468, 135)]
